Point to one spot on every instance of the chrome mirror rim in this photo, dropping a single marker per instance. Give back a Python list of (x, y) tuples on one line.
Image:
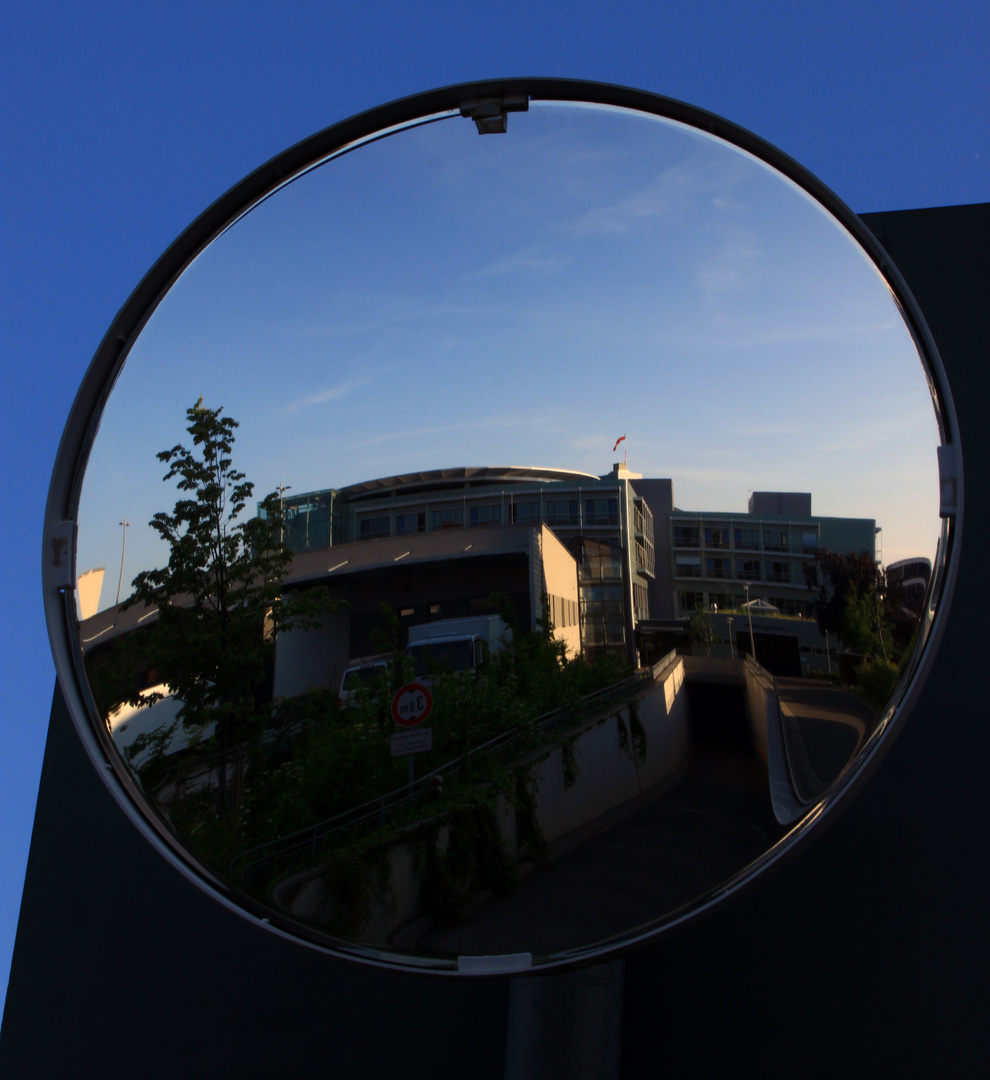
[(58, 558)]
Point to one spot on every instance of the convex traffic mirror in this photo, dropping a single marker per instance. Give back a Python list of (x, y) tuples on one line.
[(502, 526)]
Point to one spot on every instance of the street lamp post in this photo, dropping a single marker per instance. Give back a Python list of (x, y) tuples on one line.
[(281, 489), (123, 547), (732, 648), (749, 613)]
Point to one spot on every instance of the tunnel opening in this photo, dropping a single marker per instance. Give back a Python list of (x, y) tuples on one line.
[(718, 714)]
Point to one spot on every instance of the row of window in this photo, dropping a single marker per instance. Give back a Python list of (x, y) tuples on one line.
[(692, 601), (745, 539), (746, 569), (609, 633), (525, 512), (600, 562), (563, 612)]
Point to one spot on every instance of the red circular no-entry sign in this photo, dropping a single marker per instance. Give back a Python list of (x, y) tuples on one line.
[(411, 704)]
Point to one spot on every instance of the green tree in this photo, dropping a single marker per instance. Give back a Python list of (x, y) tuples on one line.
[(700, 629), (220, 601), (852, 601)]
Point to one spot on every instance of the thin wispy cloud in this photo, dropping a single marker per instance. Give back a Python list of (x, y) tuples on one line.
[(321, 397), (532, 260), (671, 193), (733, 268), (501, 422), (911, 430)]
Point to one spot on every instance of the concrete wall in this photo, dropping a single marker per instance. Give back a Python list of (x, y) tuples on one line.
[(560, 583), (759, 695), (659, 497), (609, 775), (609, 779)]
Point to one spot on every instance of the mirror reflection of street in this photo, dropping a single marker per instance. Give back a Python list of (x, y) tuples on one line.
[(631, 702)]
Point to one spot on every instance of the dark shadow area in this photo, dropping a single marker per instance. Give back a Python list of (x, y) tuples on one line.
[(666, 854), (718, 714)]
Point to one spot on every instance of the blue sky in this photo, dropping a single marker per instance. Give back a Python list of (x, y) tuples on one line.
[(120, 124), (435, 299)]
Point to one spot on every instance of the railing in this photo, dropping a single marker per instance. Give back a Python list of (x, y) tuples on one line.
[(375, 813), (759, 672)]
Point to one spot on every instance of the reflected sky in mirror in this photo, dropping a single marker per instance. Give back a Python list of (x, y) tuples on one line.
[(438, 299), (532, 738)]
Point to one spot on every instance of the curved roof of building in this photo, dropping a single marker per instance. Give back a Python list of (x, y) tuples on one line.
[(461, 477)]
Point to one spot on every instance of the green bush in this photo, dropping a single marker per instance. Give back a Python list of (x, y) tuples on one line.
[(875, 680)]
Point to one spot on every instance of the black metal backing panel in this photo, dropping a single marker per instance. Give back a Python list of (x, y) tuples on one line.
[(864, 955)]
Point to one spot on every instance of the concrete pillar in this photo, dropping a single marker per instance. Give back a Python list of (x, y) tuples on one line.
[(566, 1026)]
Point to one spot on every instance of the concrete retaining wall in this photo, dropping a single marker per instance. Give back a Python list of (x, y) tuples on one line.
[(609, 776), (608, 772)]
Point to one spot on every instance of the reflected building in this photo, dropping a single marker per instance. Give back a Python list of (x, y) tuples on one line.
[(771, 548), (605, 523), (640, 563), (911, 576)]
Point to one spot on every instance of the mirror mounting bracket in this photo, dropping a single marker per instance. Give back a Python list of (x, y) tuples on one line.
[(59, 569), (949, 474), (490, 114)]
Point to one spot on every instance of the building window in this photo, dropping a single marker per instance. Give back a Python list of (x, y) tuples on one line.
[(687, 566), (787, 606), (718, 568), (409, 523), (641, 601), (563, 512), (563, 612), (608, 596), (600, 561), (370, 528), (748, 539), (448, 519), (779, 572), (525, 513), (686, 536), (774, 540), (690, 601), (601, 511), (748, 569), (717, 538), (809, 542), (485, 516)]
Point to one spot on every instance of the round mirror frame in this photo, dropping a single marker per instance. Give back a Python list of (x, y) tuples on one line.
[(58, 562)]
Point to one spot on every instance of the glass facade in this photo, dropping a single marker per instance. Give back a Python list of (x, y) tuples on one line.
[(603, 522)]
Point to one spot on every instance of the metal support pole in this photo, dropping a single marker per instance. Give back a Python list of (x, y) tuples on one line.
[(749, 612), (123, 547), (567, 1026)]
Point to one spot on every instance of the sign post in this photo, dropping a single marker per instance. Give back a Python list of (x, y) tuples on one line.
[(411, 705)]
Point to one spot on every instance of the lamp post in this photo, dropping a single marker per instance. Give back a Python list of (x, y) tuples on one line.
[(749, 613), (281, 489), (732, 648), (123, 547)]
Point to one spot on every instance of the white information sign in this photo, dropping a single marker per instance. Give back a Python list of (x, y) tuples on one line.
[(412, 742)]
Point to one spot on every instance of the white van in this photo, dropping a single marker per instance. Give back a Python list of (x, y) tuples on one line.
[(358, 675)]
